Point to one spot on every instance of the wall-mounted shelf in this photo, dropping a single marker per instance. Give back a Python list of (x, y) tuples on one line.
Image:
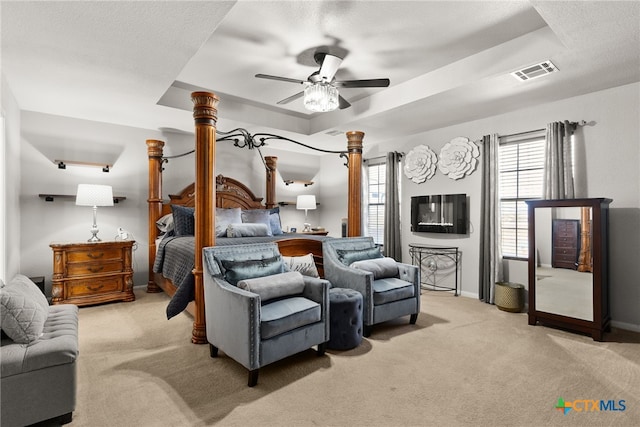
[(62, 164), (51, 197), (298, 181), (292, 203)]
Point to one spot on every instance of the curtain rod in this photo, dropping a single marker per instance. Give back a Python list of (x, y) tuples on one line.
[(580, 123), (381, 157)]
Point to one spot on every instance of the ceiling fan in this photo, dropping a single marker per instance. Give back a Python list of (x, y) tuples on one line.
[(321, 92)]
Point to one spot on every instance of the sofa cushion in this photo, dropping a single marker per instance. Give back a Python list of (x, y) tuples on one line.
[(391, 289), (234, 271), (284, 315), (304, 264), (58, 344), (274, 286), (24, 310), (380, 267), (349, 256)]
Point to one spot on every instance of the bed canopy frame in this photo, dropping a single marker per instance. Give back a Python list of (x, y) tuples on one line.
[(209, 191)]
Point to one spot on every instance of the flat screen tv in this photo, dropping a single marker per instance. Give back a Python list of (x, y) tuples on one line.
[(442, 213)]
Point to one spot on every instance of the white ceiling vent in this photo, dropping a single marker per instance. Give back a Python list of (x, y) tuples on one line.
[(535, 71), (334, 132)]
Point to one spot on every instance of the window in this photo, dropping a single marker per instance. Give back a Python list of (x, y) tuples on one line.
[(375, 201), (521, 172)]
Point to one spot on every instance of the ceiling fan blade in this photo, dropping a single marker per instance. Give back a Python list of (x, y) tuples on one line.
[(329, 67), (364, 83), (282, 79), (291, 98), (343, 103)]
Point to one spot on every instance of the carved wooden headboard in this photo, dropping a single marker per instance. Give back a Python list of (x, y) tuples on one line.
[(230, 193)]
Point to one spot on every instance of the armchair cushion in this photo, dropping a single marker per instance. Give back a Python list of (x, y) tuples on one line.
[(391, 289), (275, 286), (349, 256), (286, 315), (380, 267), (234, 271)]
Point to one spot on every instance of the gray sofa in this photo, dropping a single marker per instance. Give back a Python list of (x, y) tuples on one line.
[(38, 356)]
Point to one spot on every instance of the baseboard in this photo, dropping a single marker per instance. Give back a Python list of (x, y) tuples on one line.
[(625, 326)]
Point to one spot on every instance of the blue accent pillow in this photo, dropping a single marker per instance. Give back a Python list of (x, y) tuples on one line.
[(183, 220), (249, 269), (274, 220), (256, 216), (349, 256)]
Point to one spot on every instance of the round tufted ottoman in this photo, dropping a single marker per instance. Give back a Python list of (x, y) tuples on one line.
[(345, 316)]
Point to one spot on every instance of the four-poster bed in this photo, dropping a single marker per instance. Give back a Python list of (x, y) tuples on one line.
[(210, 191)]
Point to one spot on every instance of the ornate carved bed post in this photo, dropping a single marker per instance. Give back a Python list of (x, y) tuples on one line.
[(354, 207), (154, 152), (205, 118), (270, 162)]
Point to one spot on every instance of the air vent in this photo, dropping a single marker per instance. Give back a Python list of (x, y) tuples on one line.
[(334, 132), (535, 71)]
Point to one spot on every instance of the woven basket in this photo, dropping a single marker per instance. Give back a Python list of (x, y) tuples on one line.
[(509, 296)]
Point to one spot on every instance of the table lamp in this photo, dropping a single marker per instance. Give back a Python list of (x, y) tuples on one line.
[(94, 195), (306, 202)]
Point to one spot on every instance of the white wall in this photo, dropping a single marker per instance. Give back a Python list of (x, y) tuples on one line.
[(610, 158), (10, 186)]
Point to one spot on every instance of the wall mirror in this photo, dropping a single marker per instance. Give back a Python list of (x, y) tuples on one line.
[(568, 264)]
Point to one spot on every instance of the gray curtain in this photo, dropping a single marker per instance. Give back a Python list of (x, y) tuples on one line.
[(491, 270), (558, 162), (392, 246)]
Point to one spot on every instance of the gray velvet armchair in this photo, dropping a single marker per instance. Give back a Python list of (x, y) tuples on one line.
[(255, 312), (390, 289)]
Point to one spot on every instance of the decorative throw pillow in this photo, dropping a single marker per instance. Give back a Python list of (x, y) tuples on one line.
[(30, 289), (274, 220), (249, 269), (165, 223), (257, 216), (274, 286), (224, 217), (247, 230), (303, 264), (183, 220), (380, 267), (21, 313), (349, 256)]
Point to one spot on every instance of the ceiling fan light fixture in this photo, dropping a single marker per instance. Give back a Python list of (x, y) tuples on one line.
[(321, 97)]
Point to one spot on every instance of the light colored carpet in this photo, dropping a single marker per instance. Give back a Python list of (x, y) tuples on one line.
[(464, 363)]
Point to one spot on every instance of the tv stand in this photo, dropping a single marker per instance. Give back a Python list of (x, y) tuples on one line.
[(430, 259)]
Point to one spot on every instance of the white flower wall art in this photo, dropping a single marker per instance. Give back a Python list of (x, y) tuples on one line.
[(458, 158), (420, 164)]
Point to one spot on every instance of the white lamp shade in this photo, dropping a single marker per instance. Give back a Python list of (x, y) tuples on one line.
[(306, 202), (94, 195)]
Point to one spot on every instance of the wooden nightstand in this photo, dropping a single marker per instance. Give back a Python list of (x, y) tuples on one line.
[(92, 273)]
